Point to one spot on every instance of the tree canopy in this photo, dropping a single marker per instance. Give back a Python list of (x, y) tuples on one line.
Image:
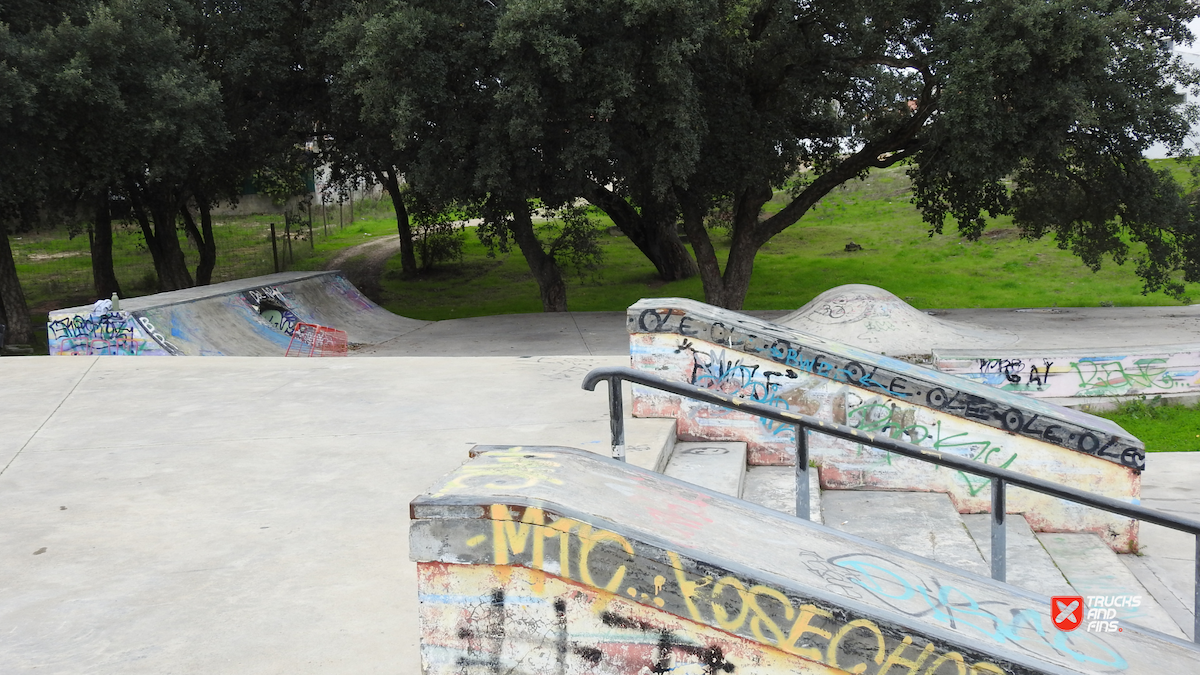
[(668, 115)]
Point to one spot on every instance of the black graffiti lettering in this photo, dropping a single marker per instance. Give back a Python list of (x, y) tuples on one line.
[(1027, 428), (683, 326), (1048, 435), (1133, 457), (977, 408), (854, 371), (748, 344), (936, 397), (899, 387), (659, 320), (1089, 443), (1012, 419)]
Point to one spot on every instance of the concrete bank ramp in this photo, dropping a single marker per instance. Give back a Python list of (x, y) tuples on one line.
[(555, 560), (877, 320), (714, 348), (247, 317)]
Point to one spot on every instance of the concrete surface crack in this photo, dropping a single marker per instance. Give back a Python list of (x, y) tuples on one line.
[(50, 416)]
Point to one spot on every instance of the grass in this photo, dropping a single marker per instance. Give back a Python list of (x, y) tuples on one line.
[(54, 264), (1162, 427), (999, 270)]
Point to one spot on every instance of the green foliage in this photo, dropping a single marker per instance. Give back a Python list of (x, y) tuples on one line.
[(439, 236), (1162, 426), (572, 237)]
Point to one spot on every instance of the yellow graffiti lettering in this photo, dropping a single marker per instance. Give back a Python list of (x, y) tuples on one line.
[(687, 589), (831, 653), (588, 538), (718, 610), (985, 667), (760, 617), (562, 527), (526, 475), (802, 627), (507, 535), (896, 658), (948, 656)]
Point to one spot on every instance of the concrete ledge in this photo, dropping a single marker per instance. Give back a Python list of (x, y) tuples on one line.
[(687, 560)]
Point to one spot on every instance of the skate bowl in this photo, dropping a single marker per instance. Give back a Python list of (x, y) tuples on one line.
[(247, 317), (1073, 364), (555, 560), (738, 355)]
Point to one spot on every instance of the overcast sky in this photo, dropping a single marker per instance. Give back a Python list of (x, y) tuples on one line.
[(1195, 46)]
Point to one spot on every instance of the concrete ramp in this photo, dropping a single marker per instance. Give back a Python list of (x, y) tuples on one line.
[(872, 318), (555, 560), (739, 355), (247, 317)]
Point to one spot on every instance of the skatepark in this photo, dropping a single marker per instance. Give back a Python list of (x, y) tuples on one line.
[(251, 513)]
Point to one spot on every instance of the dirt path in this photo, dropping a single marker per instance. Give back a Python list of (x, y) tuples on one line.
[(363, 263)]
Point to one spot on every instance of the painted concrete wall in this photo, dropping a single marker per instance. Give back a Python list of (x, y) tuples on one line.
[(737, 355), (544, 560), (1161, 370), (103, 334), (248, 317)]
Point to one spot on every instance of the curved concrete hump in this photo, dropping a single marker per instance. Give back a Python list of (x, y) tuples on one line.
[(738, 353), (549, 559), (877, 320), (247, 317)]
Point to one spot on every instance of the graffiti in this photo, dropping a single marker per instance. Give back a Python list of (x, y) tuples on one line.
[(491, 626), (273, 307), (256, 296), (716, 372), (899, 423), (1164, 372), (104, 334), (514, 468), (1110, 378), (901, 591), (663, 580), (1012, 371), (876, 374)]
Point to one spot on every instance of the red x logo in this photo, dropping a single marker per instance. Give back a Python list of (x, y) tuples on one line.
[(1066, 611)]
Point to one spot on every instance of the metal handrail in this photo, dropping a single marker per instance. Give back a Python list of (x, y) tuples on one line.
[(1000, 478)]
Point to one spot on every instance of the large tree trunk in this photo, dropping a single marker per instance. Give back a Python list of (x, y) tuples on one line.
[(15, 311), (163, 239), (545, 270), (408, 256), (104, 279), (652, 230), (203, 236), (726, 289)]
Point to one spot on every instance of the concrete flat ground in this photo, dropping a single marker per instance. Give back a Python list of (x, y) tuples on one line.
[(242, 515), (250, 515)]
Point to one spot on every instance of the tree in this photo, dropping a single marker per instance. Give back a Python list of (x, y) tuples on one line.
[(996, 107)]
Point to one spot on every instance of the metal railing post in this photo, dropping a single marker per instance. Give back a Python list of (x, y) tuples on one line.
[(1196, 597), (999, 549), (616, 418), (802, 496)]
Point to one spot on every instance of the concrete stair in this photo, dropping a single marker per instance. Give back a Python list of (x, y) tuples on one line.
[(718, 466), (649, 442), (928, 525), (775, 488)]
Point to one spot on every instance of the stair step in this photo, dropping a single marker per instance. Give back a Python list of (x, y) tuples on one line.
[(1093, 569), (1028, 564), (775, 488), (922, 523), (718, 466), (1164, 587), (648, 442)]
